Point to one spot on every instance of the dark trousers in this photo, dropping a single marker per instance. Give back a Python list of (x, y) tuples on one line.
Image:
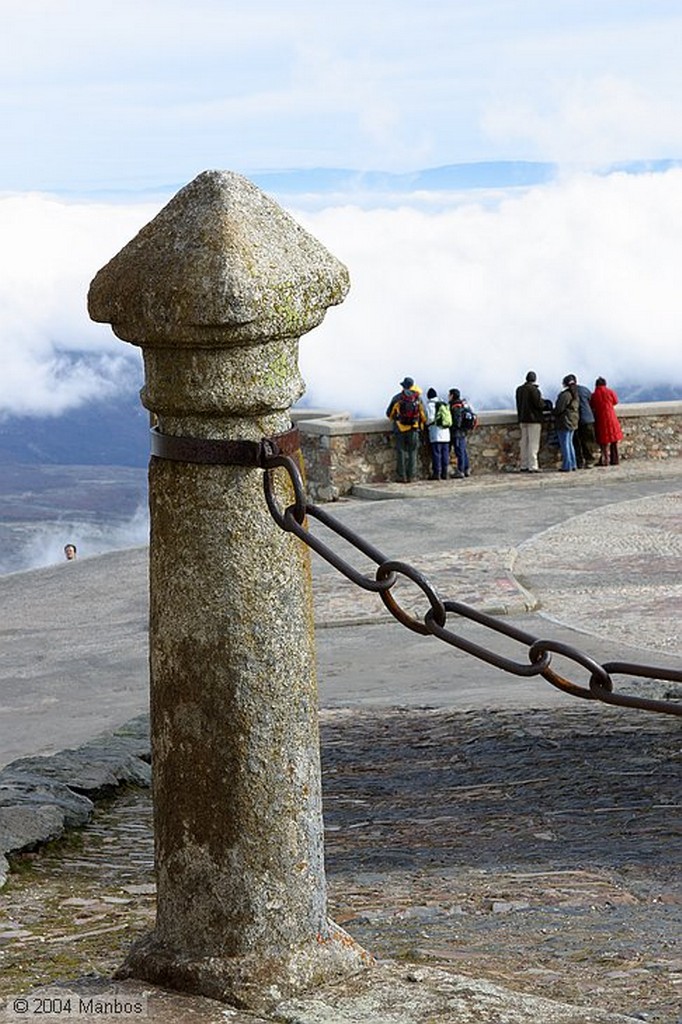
[(609, 454), (584, 443), (461, 452), (407, 443), (440, 459)]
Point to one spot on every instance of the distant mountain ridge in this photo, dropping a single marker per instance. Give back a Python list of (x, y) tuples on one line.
[(327, 181), (452, 177), (491, 176)]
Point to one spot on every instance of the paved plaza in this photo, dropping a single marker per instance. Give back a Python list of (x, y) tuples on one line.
[(593, 559)]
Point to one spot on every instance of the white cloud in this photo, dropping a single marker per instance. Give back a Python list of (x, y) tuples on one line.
[(590, 122), (581, 275), (53, 356)]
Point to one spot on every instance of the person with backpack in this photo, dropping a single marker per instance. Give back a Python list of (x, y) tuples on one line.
[(464, 420), (439, 419), (406, 412)]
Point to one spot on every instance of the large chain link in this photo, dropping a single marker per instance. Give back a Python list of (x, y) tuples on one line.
[(293, 519)]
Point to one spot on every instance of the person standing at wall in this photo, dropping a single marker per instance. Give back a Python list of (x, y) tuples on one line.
[(529, 411), (408, 418), (566, 419), (439, 421), (607, 428), (584, 439), (463, 421)]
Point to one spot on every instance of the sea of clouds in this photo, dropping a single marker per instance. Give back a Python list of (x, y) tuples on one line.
[(468, 290)]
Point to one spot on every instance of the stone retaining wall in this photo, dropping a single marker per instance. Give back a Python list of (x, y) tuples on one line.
[(340, 451)]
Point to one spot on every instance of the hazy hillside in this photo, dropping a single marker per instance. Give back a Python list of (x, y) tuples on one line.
[(113, 433)]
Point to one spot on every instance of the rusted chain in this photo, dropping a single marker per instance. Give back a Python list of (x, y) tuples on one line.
[(539, 652)]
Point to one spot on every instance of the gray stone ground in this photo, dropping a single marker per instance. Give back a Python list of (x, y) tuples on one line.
[(592, 559)]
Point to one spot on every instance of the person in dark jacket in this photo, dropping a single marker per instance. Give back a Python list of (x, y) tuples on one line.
[(607, 429), (566, 419), (529, 411), (458, 437), (583, 438)]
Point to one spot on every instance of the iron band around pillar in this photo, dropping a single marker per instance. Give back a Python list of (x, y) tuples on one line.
[(218, 452)]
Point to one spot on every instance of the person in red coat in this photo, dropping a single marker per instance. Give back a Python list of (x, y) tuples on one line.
[(607, 429)]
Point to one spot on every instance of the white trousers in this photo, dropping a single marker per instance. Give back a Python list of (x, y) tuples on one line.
[(530, 445)]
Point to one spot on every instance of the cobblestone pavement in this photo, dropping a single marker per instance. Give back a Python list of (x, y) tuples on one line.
[(605, 571), (526, 849), (615, 571), (478, 576)]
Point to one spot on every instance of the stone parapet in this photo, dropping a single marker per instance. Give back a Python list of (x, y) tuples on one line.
[(340, 451)]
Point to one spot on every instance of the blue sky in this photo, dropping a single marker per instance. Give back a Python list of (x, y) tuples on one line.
[(108, 107), (142, 93)]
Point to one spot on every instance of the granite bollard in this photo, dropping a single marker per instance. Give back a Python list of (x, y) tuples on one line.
[(217, 290)]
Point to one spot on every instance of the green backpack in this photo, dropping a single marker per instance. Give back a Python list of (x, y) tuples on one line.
[(443, 417)]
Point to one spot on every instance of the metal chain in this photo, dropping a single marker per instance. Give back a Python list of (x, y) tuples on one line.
[(539, 652)]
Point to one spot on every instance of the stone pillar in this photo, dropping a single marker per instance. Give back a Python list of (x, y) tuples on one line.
[(216, 290)]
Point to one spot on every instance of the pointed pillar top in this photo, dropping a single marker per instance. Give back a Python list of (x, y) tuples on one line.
[(221, 264)]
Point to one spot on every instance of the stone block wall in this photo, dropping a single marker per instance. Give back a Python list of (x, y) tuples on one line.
[(340, 451)]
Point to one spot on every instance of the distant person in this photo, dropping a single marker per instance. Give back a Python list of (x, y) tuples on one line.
[(566, 419), (439, 420), (407, 415), (607, 428), (584, 440), (530, 407), (412, 387), (463, 422), (70, 552)]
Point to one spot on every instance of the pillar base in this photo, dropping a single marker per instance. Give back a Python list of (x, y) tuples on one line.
[(254, 981)]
